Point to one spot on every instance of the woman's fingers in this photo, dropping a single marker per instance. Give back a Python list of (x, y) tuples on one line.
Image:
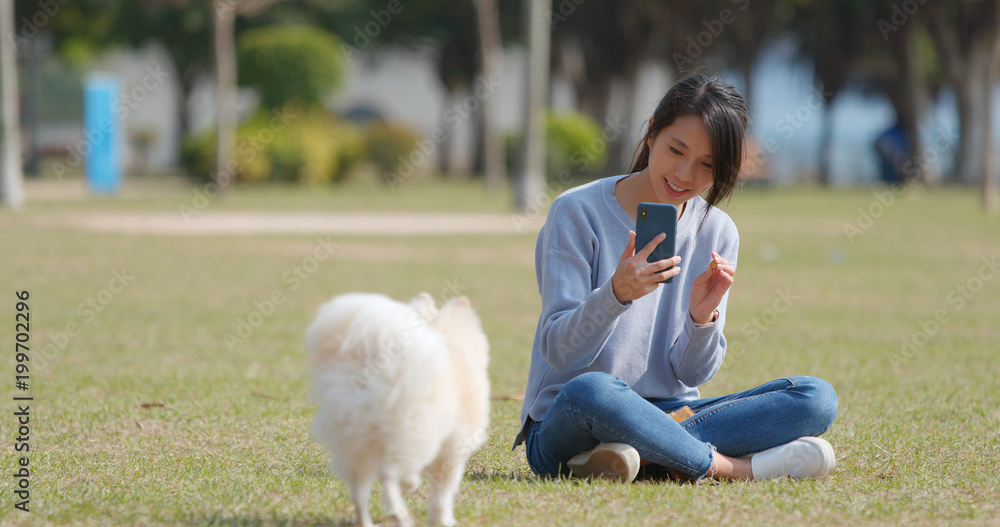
[(630, 248), (664, 275), (648, 249)]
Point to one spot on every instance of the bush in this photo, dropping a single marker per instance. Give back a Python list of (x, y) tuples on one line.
[(309, 147), (387, 144), (574, 144), (290, 64)]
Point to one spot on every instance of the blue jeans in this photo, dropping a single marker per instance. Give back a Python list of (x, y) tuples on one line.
[(596, 408)]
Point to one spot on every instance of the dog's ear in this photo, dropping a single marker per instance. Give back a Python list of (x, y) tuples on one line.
[(423, 304), (458, 308)]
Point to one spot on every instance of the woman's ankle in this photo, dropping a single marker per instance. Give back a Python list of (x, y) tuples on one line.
[(725, 467)]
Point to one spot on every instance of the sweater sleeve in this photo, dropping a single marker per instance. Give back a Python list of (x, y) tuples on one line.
[(697, 354), (578, 316)]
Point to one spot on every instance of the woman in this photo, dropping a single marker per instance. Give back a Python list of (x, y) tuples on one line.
[(616, 351)]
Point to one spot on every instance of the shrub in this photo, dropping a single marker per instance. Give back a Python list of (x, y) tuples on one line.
[(311, 147), (387, 144), (290, 64), (574, 144)]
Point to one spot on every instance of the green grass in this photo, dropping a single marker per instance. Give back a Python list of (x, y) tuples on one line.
[(146, 417)]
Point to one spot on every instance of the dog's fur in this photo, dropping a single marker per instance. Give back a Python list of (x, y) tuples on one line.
[(403, 392)]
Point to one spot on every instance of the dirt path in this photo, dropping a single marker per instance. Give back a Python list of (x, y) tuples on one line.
[(364, 223)]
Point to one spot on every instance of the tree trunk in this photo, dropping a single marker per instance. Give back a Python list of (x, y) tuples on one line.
[(492, 56), (225, 91), (909, 101), (532, 180), (969, 44), (974, 127), (825, 143), (13, 177)]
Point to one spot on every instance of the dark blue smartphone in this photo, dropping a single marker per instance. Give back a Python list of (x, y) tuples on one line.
[(650, 220)]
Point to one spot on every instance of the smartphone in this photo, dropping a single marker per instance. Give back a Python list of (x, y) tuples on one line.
[(650, 220)]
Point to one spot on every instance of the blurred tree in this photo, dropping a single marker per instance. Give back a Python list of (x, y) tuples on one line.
[(906, 71), (598, 45), (444, 28), (827, 36), (290, 64), (967, 35), (491, 53), (11, 188)]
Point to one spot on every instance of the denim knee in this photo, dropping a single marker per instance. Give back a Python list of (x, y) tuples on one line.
[(820, 403), (587, 388)]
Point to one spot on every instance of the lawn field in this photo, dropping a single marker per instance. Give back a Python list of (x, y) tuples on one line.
[(154, 405)]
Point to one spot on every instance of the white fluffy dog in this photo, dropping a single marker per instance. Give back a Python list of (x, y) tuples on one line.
[(403, 392)]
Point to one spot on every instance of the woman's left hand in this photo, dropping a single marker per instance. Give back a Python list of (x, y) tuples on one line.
[(708, 289)]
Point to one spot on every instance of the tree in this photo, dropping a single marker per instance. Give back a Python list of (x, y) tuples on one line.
[(532, 180), (13, 193), (491, 50), (967, 36), (826, 36), (224, 45)]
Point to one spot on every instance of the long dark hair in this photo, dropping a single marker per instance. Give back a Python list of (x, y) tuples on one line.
[(724, 112)]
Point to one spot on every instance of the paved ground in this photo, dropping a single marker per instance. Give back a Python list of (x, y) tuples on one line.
[(362, 223)]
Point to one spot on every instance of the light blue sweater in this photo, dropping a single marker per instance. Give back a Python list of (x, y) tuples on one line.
[(650, 343)]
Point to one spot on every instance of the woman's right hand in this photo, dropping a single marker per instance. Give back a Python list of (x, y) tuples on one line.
[(635, 277)]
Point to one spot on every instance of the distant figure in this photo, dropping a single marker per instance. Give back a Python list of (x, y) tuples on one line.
[(893, 150)]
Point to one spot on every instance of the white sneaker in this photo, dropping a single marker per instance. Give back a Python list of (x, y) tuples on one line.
[(806, 457), (608, 461)]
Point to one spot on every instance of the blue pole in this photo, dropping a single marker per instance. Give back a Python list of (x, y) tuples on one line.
[(101, 134)]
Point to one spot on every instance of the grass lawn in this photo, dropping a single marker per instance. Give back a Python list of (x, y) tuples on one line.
[(143, 414)]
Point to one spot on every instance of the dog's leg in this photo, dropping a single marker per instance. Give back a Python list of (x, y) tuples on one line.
[(393, 498), (445, 475), (361, 489)]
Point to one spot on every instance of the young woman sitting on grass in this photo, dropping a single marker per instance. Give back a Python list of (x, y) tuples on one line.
[(616, 351)]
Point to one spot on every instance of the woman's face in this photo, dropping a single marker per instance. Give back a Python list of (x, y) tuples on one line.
[(680, 161)]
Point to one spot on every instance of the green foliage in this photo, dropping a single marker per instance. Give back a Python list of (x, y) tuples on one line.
[(386, 144), (302, 147), (574, 145), (290, 64)]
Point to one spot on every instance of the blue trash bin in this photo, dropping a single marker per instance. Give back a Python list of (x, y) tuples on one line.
[(102, 135)]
